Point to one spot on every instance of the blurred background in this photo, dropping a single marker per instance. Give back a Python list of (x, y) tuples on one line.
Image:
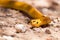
[(48, 7)]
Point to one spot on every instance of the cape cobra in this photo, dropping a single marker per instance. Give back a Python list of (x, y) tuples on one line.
[(38, 18)]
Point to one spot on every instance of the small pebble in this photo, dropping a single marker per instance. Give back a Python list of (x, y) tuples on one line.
[(37, 29), (55, 20), (8, 38), (20, 27), (48, 31)]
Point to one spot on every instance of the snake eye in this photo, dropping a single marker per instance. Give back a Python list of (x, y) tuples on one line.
[(33, 21), (37, 22)]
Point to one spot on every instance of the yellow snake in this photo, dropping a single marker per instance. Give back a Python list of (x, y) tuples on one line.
[(38, 18)]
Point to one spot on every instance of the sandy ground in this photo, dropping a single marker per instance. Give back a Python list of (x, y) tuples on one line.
[(14, 24)]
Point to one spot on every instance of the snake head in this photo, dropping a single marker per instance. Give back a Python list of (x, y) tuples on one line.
[(40, 22), (36, 22)]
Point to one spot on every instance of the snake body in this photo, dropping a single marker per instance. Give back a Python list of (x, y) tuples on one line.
[(38, 18)]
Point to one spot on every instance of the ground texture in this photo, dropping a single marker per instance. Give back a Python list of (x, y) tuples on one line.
[(14, 24)]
